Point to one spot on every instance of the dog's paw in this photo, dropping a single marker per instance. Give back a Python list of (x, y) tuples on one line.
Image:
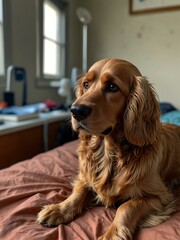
[(116, 233), (53, 215)]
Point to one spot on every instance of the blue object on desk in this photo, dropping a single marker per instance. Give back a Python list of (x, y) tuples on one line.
[(22, 110)]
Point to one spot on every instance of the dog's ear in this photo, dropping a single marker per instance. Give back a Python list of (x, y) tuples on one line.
[(142, 115)]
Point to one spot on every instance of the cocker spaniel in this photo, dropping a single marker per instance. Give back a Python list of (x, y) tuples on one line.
[(125, 153)]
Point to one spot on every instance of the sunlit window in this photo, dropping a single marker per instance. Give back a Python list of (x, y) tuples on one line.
[(51, 41), (1, 40)]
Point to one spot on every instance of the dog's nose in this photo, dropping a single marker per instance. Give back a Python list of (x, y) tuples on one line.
[(80, 112)]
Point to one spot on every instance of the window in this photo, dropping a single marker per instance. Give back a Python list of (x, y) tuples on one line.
[(51, 41), (1, 40)]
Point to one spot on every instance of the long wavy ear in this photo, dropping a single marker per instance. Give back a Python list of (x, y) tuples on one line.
[(142, 115)]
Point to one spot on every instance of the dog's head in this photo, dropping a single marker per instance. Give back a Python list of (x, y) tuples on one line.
[(114, 93)]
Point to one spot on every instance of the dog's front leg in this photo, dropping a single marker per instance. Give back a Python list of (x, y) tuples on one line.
[(128, 216), (54, 214)]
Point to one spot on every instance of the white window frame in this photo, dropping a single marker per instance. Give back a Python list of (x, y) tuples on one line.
[(6, 38), (42, 79), (2, 74)]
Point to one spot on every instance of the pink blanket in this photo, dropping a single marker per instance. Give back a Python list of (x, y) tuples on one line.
[(27, 186)]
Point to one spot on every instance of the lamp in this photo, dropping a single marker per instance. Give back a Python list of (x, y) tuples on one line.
[(19, 74), (84, 17), (64, 89)]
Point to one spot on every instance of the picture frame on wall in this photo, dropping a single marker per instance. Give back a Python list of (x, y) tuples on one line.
[(150, 6)]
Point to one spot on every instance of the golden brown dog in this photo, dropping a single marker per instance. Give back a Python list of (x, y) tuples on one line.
[(125, 153)]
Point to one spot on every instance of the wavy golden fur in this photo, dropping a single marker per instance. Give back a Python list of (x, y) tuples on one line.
[(125, 153)]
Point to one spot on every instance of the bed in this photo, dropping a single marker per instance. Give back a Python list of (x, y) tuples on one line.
[(26, 186), (46, 178)]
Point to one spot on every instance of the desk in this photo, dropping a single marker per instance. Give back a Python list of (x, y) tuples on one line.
[(23, 140)]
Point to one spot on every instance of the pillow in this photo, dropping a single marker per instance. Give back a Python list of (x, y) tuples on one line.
[(172, 117), (166, 107)]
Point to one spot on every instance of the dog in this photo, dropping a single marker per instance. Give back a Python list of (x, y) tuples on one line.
[(125, 154)]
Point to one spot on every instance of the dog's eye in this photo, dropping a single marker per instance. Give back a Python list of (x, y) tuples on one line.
[(86, 85), (112, 87)]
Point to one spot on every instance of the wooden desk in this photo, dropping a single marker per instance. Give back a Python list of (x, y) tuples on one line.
[(23, 140)]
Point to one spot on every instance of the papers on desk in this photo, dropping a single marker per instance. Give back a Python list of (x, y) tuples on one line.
[(20, 113), (17, 118)]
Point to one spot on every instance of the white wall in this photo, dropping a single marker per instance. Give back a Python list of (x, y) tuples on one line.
[(150, 41)]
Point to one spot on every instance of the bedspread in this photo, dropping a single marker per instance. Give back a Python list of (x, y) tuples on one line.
[(26, 186)]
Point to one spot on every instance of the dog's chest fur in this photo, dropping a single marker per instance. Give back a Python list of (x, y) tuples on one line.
[(105, 171)]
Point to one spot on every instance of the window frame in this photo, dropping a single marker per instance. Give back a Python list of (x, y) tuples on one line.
[(2, 77), (41, 80), (2, 36), (7, 41)]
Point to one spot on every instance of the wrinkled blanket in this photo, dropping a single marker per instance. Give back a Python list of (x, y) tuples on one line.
[(26, 186)]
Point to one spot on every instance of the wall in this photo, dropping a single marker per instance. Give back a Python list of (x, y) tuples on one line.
[(150, 41), (21, 17), (74, 37)]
